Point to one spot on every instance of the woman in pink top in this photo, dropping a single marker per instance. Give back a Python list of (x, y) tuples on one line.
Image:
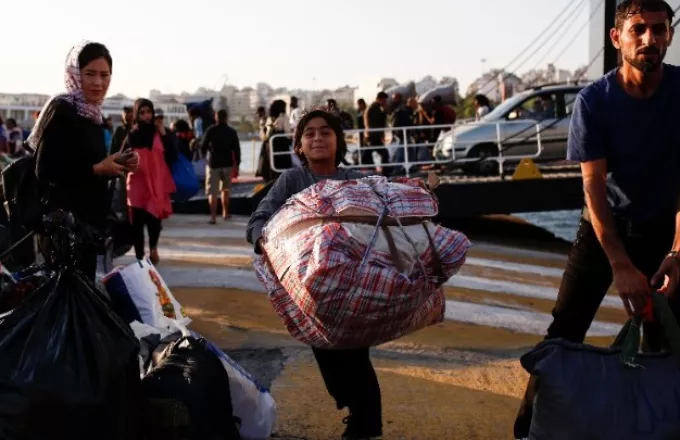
[(149, 188)]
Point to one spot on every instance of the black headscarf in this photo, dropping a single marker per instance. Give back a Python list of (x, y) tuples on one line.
[(142, 134)]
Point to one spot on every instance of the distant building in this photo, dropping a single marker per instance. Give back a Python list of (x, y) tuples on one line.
[(496, 85), (22, 106), (344, 95)]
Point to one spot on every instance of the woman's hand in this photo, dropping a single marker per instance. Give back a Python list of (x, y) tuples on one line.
[(109, 167), (132, 163)]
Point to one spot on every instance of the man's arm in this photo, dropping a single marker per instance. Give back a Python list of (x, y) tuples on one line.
[(594, 175), (366, 118), (667, 278), (205, 141), (676, 240), (586, 144)]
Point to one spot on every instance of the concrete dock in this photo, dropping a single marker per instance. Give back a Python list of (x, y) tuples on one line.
[(458, 380)]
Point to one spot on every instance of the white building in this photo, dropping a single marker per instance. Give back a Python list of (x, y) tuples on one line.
[(344, 95), (22, 106), (244, 103), (496, 85)]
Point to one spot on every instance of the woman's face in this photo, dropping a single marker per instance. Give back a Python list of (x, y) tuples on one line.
[(145, 115), (96, 77), (319, 142)]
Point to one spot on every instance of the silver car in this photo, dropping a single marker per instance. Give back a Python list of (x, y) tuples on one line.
[(514, 128)]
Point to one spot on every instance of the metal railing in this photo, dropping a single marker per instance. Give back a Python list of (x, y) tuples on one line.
[(399, 140)]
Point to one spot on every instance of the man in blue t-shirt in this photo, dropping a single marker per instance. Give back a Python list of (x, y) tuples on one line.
[(625, 133)]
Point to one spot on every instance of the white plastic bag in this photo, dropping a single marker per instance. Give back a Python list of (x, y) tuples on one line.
[(252, 403), (139, 293)]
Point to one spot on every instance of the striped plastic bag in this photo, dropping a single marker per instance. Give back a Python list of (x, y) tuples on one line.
[(358, 263)]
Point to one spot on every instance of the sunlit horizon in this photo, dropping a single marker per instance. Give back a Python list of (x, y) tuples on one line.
[(296, 45)]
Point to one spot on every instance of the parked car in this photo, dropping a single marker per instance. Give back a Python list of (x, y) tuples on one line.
[(518, 122)]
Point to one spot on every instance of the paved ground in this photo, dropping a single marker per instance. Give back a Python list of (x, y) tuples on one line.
[(458, 380)]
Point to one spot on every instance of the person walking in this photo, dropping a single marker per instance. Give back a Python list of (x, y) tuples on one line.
[(150, 186), (223, 149)]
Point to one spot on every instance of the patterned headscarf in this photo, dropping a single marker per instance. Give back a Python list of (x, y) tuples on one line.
[(74, 95)]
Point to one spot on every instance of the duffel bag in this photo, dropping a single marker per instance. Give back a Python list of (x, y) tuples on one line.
[(358, 263), (591, 393)]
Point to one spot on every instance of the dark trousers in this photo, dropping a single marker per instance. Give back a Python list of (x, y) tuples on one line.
[(586, 280), (140, 220), (367, 155), (351, 380), (588, 277)]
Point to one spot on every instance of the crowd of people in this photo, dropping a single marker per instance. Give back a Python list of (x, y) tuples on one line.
[(409, 122)]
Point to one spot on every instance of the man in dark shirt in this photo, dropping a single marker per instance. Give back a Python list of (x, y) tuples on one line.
[(375, 117), (625, 134), (402, 117), (224, 152)]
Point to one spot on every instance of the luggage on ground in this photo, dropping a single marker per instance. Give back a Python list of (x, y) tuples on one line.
[(187, 375), (68, 364), (252, 403), (592, 393), (358, 263)]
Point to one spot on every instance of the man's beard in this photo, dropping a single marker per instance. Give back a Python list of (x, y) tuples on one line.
[(646, 66)]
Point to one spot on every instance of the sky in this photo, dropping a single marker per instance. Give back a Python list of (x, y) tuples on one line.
[(180, 46)]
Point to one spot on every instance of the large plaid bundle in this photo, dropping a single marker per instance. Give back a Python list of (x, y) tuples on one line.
[(358, 263)]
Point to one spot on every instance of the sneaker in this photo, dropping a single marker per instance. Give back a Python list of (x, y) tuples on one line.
[(355, 430)]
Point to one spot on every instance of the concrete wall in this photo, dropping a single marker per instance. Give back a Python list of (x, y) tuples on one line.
[(597, 39)]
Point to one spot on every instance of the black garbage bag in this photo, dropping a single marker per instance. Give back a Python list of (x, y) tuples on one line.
[(68, 364), (586, 392), (187, 375)]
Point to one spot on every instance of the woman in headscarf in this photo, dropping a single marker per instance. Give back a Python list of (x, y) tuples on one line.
[(149, 187), (72, 165)]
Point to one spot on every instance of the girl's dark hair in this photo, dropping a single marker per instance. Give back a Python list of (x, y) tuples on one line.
[(93, 51), (182, 126), (333, 122)]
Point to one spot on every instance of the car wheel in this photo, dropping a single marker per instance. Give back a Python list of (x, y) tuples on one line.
[(483, 167)]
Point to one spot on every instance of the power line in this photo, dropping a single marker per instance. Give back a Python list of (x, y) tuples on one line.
[(526, 49), (538, 38), (578, 33), (562, 35), (578, 5)]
